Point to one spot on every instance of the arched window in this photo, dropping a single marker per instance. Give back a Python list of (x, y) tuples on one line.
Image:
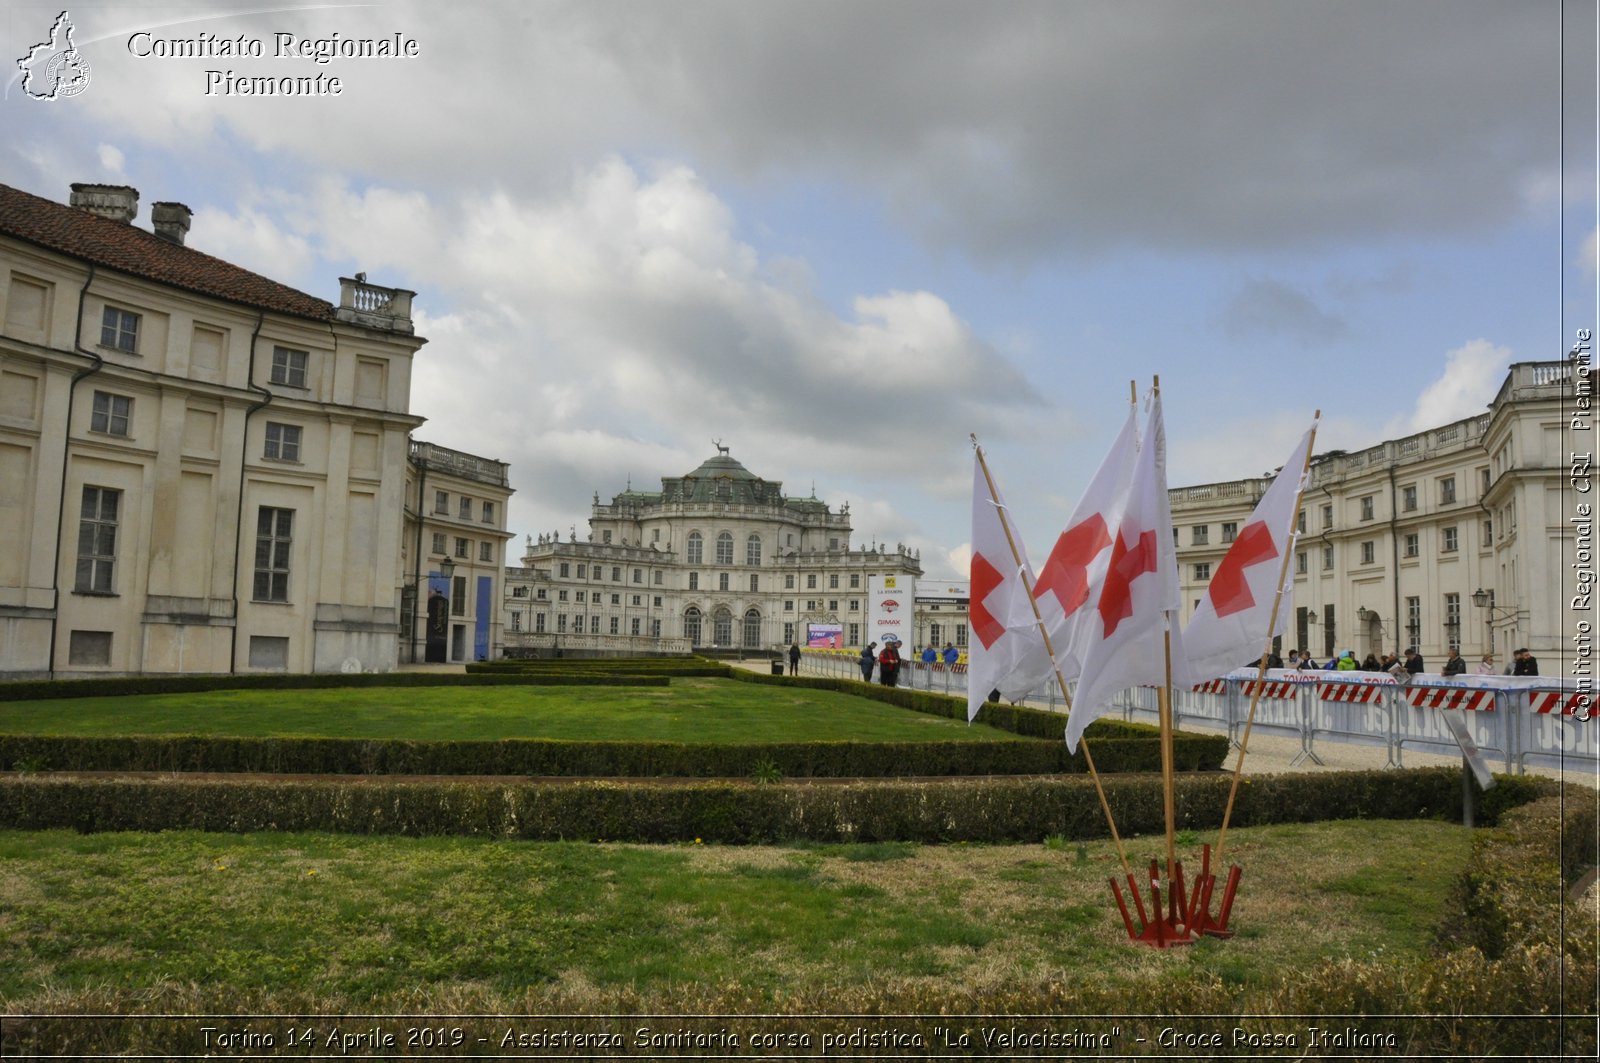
[(691, 625), (722, 627), (752, 629), (752, 550), (725, 548), (696, 552)]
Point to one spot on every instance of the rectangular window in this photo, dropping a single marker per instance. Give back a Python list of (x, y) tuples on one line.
[(833, 581), (516, 620), (458, 596), (1366, 507), (1486, 536), (638, 575), (694, 581), (722, 581), (1327, 558), (1452, 618), (97, 540), (788, 583), (441, 503), (633, 626), (486, 552), (289, 367), (1300, 563), (1202, 571), (788, 632), (438, 542), (463, 547), (269, 652), (657, 601), (616, 628), (561, 595), (565, 570), (583, 596), (811, 582), (583, 571), (1408, 498), (961, 634), (466, 508), (119, 329), (755, 584), (594, 624), (855, 635), (605, 536), (274, 537), (1230, 530), (833, 605), (855, 605), (616, 599), (655, 629), (89, 648), (1413, 620), (111, 414), (1447, 490), (1449, 540), (1368, 552), (488, 512), (561, 623), (1410, 546), (538, 623), (637, 599), (1300, 522), (283, 442), (655, 576), (855, 581), (1327, 516), (616, 574)]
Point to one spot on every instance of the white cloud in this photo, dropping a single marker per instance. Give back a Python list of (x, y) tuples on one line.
[(111, 161), (252, 239), (1472, 374)]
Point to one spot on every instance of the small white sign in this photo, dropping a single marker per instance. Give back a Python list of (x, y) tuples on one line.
[(1469, 748)]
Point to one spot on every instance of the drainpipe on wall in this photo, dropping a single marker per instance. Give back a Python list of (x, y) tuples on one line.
[(244, 456), (1394, 549), (416, 555), (98, 363)]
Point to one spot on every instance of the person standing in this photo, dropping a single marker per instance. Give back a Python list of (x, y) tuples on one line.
[(868, 659), (1414, 663), (1525, 664), (1454, 665), (1486, 666), (951, 655), (794, 658), (888, 664)]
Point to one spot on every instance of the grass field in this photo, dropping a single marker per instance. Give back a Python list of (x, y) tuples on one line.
[(689, 710), (362, 921)]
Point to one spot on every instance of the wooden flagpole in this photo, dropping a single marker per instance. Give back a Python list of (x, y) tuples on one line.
[(1016, 557), (1164, 705), (1266, 651)]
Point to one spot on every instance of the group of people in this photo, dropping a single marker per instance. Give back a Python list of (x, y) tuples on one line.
[(1523, 663), (888, 660)]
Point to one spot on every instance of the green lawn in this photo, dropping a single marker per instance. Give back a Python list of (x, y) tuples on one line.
[(689, 710), (359, 922)]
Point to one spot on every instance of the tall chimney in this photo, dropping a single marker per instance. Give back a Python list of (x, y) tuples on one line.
[(170, 221), (117, 202)]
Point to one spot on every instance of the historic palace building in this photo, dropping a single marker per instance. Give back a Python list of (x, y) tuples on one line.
[(1461, 535), (201, 469), (717, 559)]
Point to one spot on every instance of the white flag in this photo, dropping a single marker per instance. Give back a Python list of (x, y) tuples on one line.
[(1230, 626), (1000, 615), (1125, 636)]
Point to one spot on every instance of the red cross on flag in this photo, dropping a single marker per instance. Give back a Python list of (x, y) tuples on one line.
[(1000, 613), (1230, 626), (1123, 637), (1069, 582)]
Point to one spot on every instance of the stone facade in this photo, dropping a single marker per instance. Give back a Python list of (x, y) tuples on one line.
[(719, 558), (1397, 538), (201, 470)]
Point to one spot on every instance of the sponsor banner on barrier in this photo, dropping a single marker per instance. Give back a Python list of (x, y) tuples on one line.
[(1560, 702), (1354, 693), (1469, 698), (1280, 689)]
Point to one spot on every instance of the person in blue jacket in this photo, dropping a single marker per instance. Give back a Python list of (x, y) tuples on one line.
[(869, 657)]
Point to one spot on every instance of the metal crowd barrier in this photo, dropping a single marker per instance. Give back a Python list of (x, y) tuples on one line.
[(1517, 723)]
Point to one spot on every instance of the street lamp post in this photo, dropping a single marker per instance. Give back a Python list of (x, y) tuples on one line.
[(1483, 599)]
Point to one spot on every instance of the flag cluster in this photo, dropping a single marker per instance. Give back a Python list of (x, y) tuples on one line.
[(1102, 607)]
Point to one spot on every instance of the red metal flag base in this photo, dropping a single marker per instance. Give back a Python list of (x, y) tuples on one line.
[(1187, 916)]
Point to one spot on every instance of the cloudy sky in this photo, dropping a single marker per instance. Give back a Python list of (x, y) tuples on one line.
[(840, 237)]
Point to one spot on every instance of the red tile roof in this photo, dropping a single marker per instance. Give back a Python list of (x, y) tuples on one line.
[(122, 246)]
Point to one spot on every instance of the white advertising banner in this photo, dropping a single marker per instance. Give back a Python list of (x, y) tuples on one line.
[(890, 609)]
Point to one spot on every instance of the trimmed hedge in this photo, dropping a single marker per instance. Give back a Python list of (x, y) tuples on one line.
[(988, 810), (556, 757), (43, 689)]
